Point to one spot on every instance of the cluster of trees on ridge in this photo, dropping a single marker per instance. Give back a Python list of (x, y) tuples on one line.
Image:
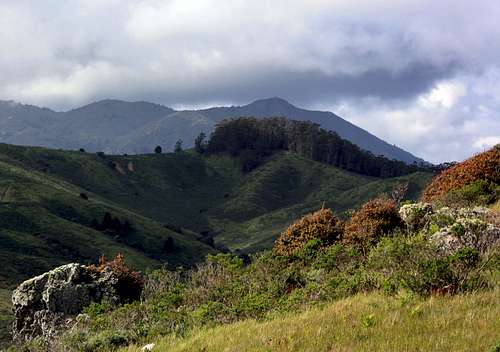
[(111, 224), (252, 139)]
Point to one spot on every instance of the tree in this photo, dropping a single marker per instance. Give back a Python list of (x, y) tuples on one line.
[(107, 221), (252, 140), (158, 149), (168, 245), (199, 143), (178, 146), (127, 227)]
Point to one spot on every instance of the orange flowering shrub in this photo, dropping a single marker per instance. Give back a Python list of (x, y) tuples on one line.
[(322, 225), (375, 219), (129, 283), (484, 166)]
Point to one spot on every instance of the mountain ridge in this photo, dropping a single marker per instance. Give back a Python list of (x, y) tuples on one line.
[(117, 126)]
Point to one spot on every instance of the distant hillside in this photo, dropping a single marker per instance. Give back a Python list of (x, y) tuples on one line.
[(118, 127), (47, 220), (208, 195), (252, 139)]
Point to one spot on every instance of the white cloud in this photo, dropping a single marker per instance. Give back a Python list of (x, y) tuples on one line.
[(445, 94), (486, 142), (446, 123)]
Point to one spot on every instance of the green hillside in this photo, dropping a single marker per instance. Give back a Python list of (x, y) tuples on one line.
[(210, 194), (46, 221)]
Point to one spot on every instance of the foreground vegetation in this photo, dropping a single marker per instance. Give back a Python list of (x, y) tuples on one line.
[(316, 261), (381, 279), (386, 248), (363, 322), (224, 290)]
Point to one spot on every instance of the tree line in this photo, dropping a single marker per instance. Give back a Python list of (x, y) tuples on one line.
[(252, 139)]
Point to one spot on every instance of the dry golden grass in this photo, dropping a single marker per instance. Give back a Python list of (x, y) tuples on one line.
[(365, 322), (496, 206)]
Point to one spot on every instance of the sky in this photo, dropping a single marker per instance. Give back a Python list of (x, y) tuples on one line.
[(423, 75)]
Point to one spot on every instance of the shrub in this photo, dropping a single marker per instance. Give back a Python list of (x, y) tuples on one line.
[(415, 264), (322, 225), (479, 192), (452, 229), (484, 166), (376, 218), (168, 245), (84, 196), (129, 283)]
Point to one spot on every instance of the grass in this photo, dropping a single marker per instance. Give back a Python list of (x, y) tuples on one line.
[(496, 206), (5, 316), (364, 322)]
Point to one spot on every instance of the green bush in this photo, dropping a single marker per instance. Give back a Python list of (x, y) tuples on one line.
[(416, 265), (480, 192)]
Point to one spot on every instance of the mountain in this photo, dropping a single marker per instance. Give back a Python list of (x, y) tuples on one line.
[(118, 127)]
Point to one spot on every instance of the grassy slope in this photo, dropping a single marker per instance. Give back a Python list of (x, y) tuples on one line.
[(44, 222), (244, 211), (288, 186), (371, 322)]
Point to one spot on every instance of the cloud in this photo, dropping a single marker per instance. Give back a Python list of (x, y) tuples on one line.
[(448, 122), (486, 142), (415, 61)]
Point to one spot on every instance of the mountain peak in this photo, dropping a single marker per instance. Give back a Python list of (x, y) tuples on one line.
[(273, 102)]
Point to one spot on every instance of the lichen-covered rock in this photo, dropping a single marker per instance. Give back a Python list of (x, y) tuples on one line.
[(468, 230), (452, 229), (46, 304), (416, 215), (446, 241)]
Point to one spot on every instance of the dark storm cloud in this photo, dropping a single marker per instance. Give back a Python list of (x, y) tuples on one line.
[(309, 88)]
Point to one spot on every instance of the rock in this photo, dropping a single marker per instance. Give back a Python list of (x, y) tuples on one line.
[(416, 215), (466, 232), (47, 304), (452, 229)]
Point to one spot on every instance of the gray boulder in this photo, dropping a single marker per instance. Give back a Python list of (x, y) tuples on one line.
[(47, 304)]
